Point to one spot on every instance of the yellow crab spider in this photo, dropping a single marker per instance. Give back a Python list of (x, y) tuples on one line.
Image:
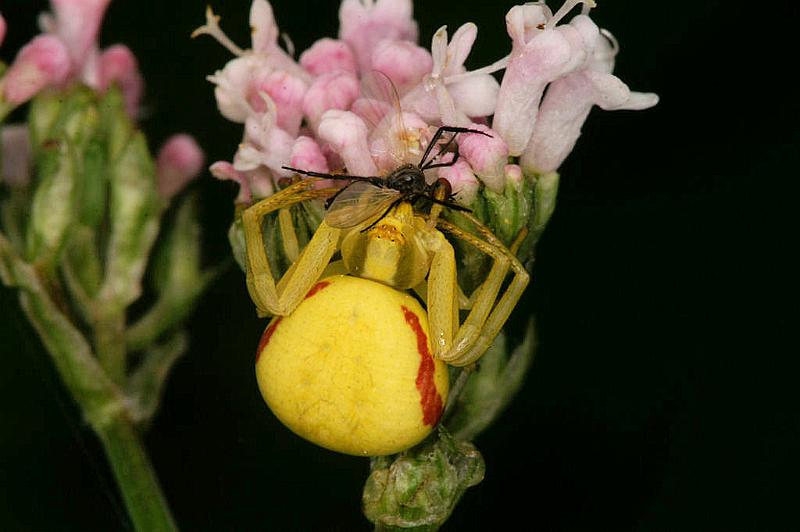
[(330, 366)]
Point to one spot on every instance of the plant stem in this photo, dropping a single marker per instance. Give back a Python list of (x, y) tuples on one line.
[(135, 477)]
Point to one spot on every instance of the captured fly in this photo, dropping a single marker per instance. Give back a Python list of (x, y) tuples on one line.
[(365, 197)]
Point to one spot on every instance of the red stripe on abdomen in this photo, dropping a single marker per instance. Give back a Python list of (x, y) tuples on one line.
[(429, 398), (265, 338)]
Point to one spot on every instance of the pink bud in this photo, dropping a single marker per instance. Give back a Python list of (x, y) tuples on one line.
[(77, 24), (462, 180), (225, 171), (403, 62), (363, 25), (307, 155), (486, 155), (180, 160), (328, 55), (287, 92), (2, 29), (15, 155), (347, 135), (118, 65), (41, 63), (514, 175), (335, 90)]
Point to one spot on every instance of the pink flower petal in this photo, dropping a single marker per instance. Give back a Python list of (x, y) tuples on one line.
[(225, 171), (347, 135), (530, 70), (264, 28)]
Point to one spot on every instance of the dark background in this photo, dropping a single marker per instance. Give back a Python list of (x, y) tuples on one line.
[(661, 397)]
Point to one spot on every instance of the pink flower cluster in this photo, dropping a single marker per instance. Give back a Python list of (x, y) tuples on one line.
[(67, 52), (310, 113)]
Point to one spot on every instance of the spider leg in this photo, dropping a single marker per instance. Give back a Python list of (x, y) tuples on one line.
[(281, 299), (438, 134), (490, 309), (456, 155)]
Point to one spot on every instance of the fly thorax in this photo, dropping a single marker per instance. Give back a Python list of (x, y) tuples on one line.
[(390, 253)]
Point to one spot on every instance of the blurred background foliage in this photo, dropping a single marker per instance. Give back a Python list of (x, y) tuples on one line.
[(660, 397)]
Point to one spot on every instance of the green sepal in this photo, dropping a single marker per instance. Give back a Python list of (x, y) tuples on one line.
[(134, 210), (115, 124), (418, 489), (52, 210), (177, 278), (43, 112), (510, 211), (492, 386)]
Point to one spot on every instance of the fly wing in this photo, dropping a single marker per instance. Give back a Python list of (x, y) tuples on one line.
[(359, 202), (379, 106)]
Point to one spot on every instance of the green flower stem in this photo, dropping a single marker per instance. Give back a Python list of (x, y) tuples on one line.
[(102, 402), (109, 342), (135, 476)]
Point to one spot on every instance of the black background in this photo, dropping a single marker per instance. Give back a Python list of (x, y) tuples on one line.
[(661, 397)]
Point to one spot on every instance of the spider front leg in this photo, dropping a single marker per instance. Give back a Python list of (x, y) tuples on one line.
[(281, 299), (488, 314)]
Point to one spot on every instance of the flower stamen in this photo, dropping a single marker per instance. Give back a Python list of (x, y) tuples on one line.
[(212, 29)]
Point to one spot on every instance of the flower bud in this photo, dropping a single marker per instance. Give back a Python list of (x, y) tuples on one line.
[(487, 155), (180, 160), (287, 92), (336, 90), (118, 65), (462, 181), (41, 63), (328, 55), (403, 62), (362, 25), (420, 487)]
